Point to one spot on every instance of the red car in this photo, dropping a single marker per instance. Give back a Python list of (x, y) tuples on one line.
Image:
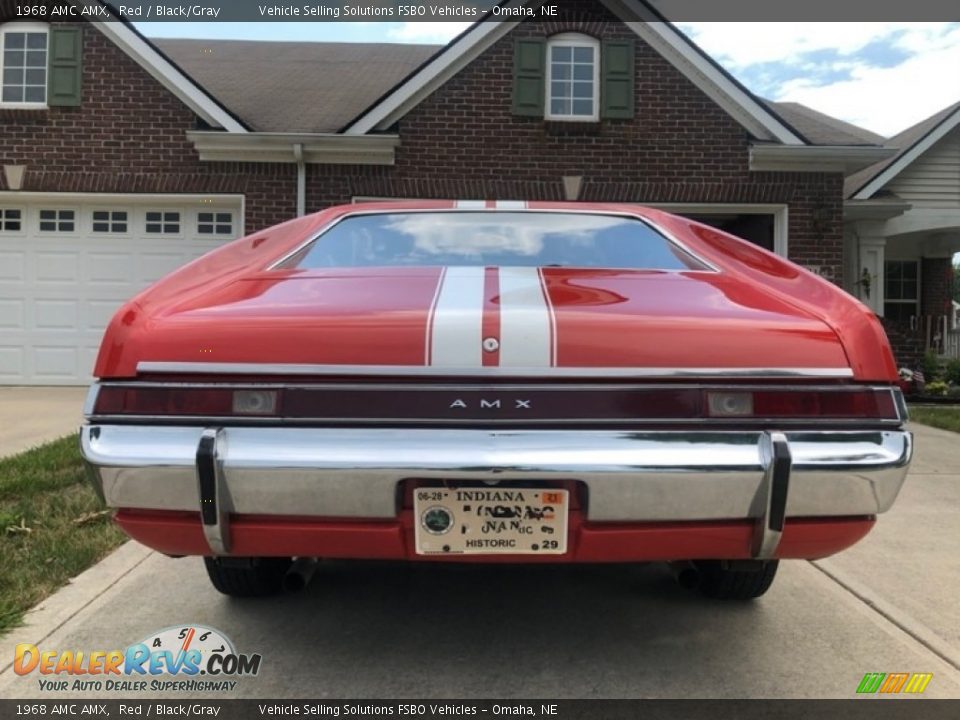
[(495, 381)]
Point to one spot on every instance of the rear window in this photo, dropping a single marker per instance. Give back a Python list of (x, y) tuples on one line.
[(509, 239)]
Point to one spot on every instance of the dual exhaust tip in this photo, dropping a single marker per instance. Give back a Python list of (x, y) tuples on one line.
[(299, 574)]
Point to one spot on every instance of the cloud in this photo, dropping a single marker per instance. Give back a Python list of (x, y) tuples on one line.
[(426, 32), (881, 76)]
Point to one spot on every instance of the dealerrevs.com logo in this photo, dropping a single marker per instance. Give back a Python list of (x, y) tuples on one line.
[(184, 658)]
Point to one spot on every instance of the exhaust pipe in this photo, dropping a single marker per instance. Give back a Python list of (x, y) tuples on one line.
[(299, 574), (687, 575)]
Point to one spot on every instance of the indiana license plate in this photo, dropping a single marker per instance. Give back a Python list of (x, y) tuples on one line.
[(487, 521)]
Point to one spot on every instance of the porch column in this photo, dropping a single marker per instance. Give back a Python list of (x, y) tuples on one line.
[(869, 270)]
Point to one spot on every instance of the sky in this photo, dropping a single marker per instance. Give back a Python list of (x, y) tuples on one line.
[(882, 76)]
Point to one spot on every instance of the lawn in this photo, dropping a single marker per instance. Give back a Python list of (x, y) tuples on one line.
[(52, 526), (944, 417)]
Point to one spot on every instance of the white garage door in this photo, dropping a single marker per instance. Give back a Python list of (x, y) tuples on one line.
[(67, 263)]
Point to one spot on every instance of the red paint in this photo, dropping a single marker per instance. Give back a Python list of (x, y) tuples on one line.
[(180, 533), (491, 315), (760, 310)]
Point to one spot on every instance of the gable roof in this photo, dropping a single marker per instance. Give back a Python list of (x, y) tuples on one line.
[(756, 117), (910, 144), (301, 87), (126, 37), (822, 129)]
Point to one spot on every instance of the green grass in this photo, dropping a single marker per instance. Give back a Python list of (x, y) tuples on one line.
[(51, 526), (943, 417)]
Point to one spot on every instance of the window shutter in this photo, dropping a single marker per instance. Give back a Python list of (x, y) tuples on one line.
[(529, 61), (617, 84), (65, 73)]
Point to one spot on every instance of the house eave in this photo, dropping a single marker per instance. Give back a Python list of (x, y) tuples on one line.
[(313, 148), (882, 209), (845, 159)]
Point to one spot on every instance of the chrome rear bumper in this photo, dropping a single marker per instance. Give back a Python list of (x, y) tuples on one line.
[(630, 476)]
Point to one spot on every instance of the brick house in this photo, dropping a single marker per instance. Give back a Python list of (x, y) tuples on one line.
[(124, 158)]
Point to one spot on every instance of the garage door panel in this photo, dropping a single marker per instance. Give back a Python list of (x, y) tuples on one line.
[(11, 314), (56, 362), (153, 266), (60, 289), (54, 314), (55, 267), (11, 363), (11, 266), (108, 268)]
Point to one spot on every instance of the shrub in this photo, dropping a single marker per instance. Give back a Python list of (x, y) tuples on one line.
[(938, 387), (931, 366), (952, 372)]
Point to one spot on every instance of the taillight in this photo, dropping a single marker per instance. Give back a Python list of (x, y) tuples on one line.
[(827, 404), (830, 404), (185, 401)]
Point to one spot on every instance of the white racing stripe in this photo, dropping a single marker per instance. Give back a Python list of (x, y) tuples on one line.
[(457, 322), (525, 319), (471, 204), (511, 204)]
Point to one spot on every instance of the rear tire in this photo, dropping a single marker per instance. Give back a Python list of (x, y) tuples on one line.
[(247, 577), (721, 582)]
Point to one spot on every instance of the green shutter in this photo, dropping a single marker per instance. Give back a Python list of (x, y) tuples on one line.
[(65, 73), (529, 61), (617, 79)]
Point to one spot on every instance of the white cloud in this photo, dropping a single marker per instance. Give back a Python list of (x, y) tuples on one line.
[(426, 32), (883, 99)]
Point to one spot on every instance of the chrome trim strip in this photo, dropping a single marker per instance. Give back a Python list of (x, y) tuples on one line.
[(217, 368), (629, 476), (90, 402)]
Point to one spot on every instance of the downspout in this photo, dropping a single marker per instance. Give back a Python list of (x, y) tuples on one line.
[(301, 179)]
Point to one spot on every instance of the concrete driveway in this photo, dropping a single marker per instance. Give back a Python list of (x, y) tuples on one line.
[(31, 416), (392, 630)]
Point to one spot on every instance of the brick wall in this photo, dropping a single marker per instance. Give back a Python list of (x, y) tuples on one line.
[(936, 286)]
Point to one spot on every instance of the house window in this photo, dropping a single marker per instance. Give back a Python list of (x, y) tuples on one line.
[(57, 221), (23, 64), (901, 289), (211, 223), (10, 219), (166, 223), (109, 221), (573, 78)]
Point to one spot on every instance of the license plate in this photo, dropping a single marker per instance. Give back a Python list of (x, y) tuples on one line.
[(488, 521)]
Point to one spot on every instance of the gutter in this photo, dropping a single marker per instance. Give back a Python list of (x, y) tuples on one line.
[(301, 179), (314, 148), (846, 159)]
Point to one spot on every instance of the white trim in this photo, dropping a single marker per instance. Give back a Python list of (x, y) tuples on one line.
[(26, 27), (167, 74), (314, 148), (572, 40), (780, 212), (905, 160), (816, 158)]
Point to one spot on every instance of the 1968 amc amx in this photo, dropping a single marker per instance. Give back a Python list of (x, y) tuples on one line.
[(495, 381)]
